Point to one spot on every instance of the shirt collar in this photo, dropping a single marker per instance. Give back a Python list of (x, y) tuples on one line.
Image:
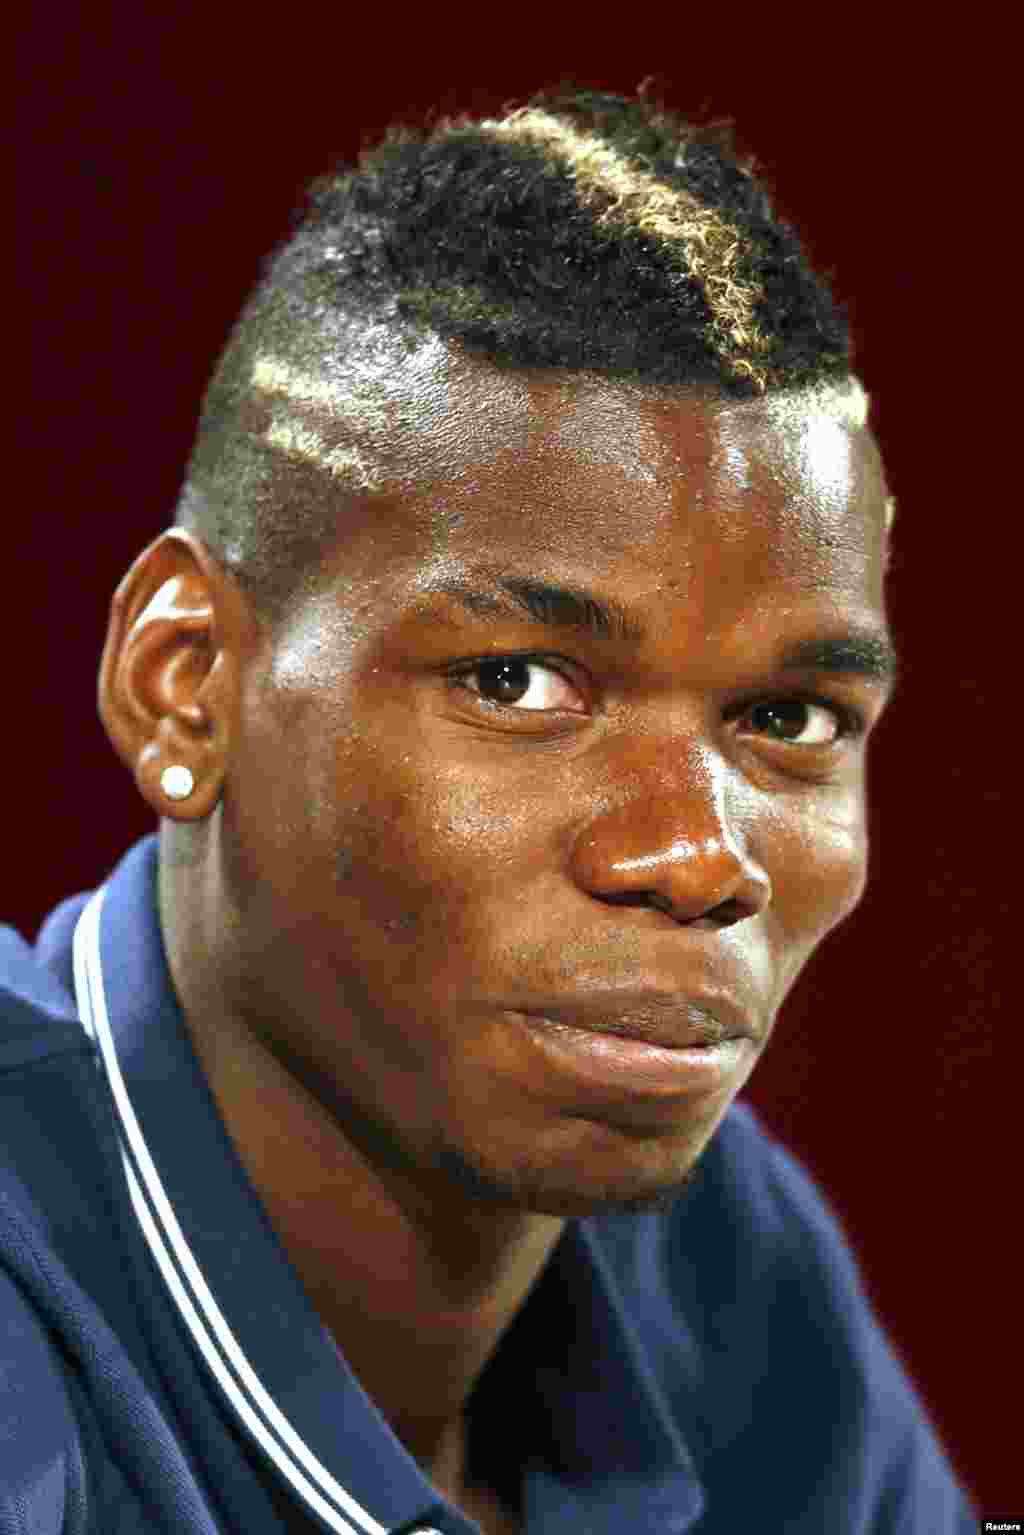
[(608, 1456)]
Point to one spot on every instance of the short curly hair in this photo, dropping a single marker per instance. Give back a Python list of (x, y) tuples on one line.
[(582, 231)]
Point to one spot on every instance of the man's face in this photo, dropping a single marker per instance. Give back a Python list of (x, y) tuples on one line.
[(445, 821)]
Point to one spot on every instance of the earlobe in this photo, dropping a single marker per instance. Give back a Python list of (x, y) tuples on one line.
[(164, 684)]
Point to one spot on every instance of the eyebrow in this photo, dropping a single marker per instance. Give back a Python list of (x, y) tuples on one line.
[(859, 650), (558, 607)]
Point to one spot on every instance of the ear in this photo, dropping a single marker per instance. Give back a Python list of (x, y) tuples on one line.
[(168, 677)]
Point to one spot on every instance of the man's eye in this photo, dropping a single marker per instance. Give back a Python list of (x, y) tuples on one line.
[(520, 683), (798, 721)]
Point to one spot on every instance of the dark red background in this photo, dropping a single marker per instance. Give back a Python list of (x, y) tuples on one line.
[(161, 156)]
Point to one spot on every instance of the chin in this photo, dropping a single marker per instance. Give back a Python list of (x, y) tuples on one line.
[(570, 1187)]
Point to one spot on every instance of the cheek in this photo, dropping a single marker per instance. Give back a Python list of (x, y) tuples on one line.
[(424, 849), (819, 871)]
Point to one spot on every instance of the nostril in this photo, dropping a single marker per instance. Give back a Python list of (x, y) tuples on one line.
[(637, 898), (726, 913)]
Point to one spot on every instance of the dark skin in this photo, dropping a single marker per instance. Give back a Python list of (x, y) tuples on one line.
[(378, 871)]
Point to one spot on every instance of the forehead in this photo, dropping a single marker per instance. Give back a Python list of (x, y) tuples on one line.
[(481, 467)]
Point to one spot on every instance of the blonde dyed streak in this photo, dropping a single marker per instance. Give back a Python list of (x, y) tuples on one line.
[(279, 379), (272, 375), (711, 244), (298, 441)]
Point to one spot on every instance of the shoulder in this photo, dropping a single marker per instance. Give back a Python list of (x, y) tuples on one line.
[(750, 1210), (42, 1479), (769, 1239), (768, 1192), (753, 1314), (42, 1476), (48, 1091), (47, 1078), (38, 1017), (84, 1445), (751, 1246)]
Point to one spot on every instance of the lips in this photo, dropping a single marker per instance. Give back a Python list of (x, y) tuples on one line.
[(626, 1054), (669, 1020)]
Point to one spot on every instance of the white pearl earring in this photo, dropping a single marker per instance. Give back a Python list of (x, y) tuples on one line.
[(177, 782)]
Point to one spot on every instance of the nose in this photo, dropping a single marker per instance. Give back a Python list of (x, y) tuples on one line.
[(674, 845)]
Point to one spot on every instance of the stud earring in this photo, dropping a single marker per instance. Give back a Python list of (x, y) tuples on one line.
[(177, 782)]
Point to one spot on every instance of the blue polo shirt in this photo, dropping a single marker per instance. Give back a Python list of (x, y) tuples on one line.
[(711, 1369)]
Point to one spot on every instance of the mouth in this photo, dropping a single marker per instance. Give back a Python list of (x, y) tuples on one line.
[(644, 1045), (666, 1019)]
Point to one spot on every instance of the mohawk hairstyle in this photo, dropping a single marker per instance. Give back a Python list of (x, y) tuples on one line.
[(582, 231)]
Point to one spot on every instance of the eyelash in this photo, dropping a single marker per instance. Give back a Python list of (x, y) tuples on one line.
[(850, 723)]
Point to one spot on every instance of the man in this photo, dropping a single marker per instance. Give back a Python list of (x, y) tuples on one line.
[(503, 692)]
